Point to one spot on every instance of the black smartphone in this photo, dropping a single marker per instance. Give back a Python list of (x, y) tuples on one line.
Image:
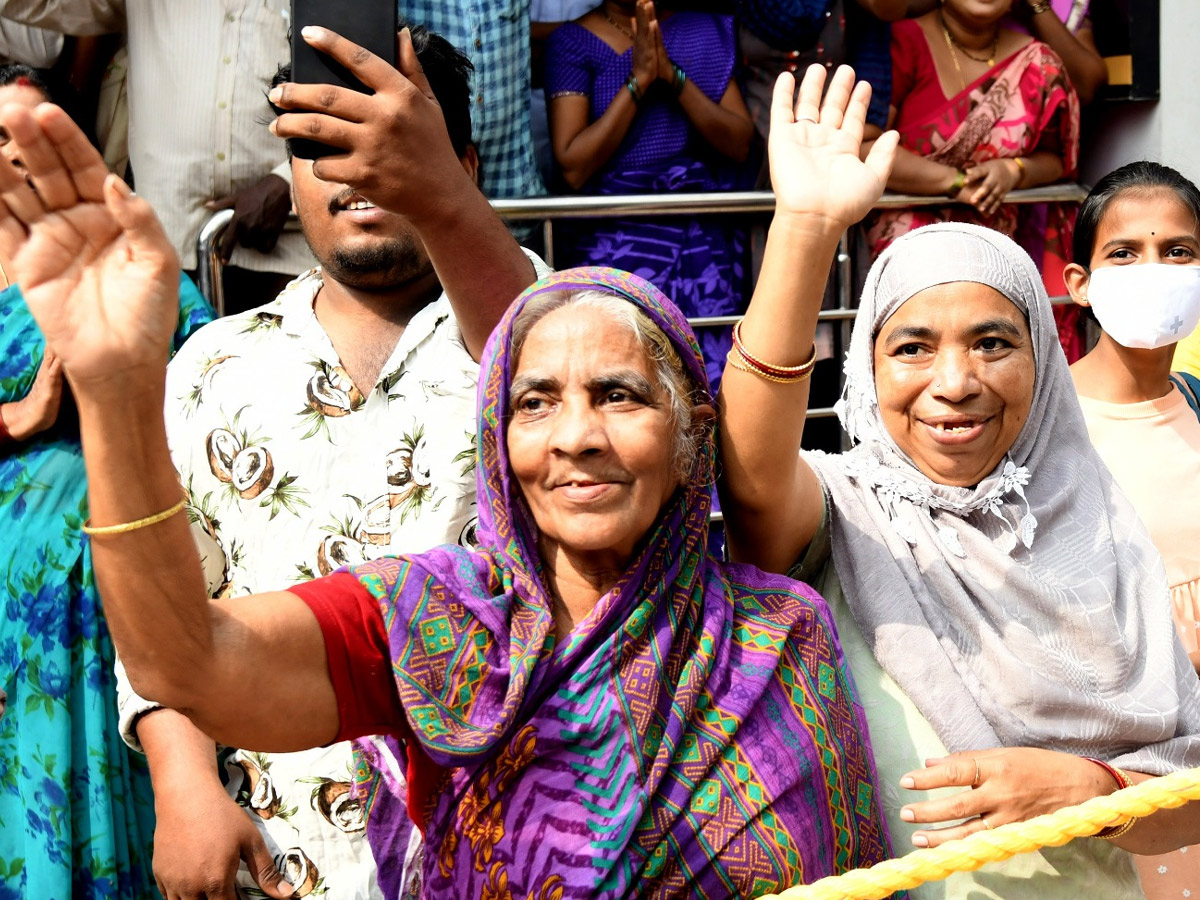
[(369, 23)]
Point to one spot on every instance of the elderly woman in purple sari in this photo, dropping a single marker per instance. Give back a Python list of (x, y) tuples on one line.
[(591, 704), (645, 102)]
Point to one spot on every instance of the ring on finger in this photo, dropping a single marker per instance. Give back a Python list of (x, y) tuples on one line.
[(806, 119), (975, 780), (986, 824)]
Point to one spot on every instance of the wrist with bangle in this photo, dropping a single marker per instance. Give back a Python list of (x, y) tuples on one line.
[(1021, 171), (960, 178), (635, 89), (1037, 7), (679, 79), (1123, 781), (136, 524), (742, 360)]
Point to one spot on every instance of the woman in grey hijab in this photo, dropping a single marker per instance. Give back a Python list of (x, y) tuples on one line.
[(1002, 608)]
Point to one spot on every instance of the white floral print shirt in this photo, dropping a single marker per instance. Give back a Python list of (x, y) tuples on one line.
[(292, 473)]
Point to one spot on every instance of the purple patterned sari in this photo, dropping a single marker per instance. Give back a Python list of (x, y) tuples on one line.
[(699, 262), (697, 735)]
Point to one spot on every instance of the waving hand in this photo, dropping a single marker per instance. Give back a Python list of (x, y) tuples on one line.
[(814, 148), (92, 261)]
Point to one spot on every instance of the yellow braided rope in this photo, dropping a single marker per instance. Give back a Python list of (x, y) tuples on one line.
[(1002, 842)]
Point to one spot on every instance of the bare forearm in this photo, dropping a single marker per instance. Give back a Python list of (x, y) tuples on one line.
[(1041, 168), (727, 131), (478, 262), (1084, 64), (177, 752), (150, 579), (913, 174), (767, 492), (1163, 831), (589, 150)]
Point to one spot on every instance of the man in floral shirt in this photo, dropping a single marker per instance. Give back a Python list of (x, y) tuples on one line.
[(332, 425)]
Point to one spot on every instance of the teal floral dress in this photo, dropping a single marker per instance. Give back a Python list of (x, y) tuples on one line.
[(76, 810)]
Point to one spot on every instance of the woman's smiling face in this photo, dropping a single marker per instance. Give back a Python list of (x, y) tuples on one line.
[(954, 377), (590, 435)]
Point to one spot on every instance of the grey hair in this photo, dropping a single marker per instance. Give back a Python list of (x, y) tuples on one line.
[(681, 392)]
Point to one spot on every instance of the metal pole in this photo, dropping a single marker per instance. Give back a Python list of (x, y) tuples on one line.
[(548, 241), (845, 291), (208, 261)]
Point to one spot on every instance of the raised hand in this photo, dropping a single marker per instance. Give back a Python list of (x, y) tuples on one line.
[(814, 149), (398, 152), (93, 263)]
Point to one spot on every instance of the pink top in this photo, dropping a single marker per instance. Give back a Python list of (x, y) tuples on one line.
[(1153, 450)]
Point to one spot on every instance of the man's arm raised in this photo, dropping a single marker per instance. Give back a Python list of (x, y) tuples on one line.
[(399, 156)]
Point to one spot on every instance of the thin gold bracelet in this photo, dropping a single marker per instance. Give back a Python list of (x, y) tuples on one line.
[(1121, 777), (126, 527), (738, 361), (769, 368)]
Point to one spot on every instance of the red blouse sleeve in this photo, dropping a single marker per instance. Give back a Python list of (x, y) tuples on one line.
[(356, 646)]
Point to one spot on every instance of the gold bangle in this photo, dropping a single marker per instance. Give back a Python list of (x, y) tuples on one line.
[(1020, 169), (126, 527), (1037, 7), (960, 178), (769, 368), (1116, 831), (1123, 781), (738, 361)]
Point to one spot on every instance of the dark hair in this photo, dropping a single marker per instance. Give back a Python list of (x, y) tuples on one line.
[(1136, 176), (449, 72), (27, 76), (53, 88)]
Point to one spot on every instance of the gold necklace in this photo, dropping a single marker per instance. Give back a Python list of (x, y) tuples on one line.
[(615, 24), (990, 59)]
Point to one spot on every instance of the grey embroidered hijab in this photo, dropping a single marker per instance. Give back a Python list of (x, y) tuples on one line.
[(1031, 609)]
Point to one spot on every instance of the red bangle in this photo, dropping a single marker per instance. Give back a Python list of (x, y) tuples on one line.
[(1123, 781), (790, 373), (5, 435)]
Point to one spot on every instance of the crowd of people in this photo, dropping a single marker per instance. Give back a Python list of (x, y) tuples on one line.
[(413, 583)]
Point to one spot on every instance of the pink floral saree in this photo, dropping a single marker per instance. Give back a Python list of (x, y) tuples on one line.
[(1024, 104)]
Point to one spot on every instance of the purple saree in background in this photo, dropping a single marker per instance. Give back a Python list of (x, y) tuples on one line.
[(697, 735), (699, 262)]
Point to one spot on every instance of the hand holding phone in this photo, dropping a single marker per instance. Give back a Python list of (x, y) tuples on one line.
[(392, 143), (371, 24)]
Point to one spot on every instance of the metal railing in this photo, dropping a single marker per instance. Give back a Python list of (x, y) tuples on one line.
[(549, 210)]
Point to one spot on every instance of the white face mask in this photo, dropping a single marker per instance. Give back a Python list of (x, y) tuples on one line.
[(1146, 306)]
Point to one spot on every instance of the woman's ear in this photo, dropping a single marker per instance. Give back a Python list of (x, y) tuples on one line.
[(703, 413), (1077, 278)]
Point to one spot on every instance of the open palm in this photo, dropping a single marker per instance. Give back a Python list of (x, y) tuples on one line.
[(94, 266), (814, 148)]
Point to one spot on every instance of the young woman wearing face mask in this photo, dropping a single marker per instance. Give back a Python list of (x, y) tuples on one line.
[(1139, 230)]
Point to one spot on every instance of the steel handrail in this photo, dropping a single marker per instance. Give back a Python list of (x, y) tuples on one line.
[(728, 202), (585, 207)]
